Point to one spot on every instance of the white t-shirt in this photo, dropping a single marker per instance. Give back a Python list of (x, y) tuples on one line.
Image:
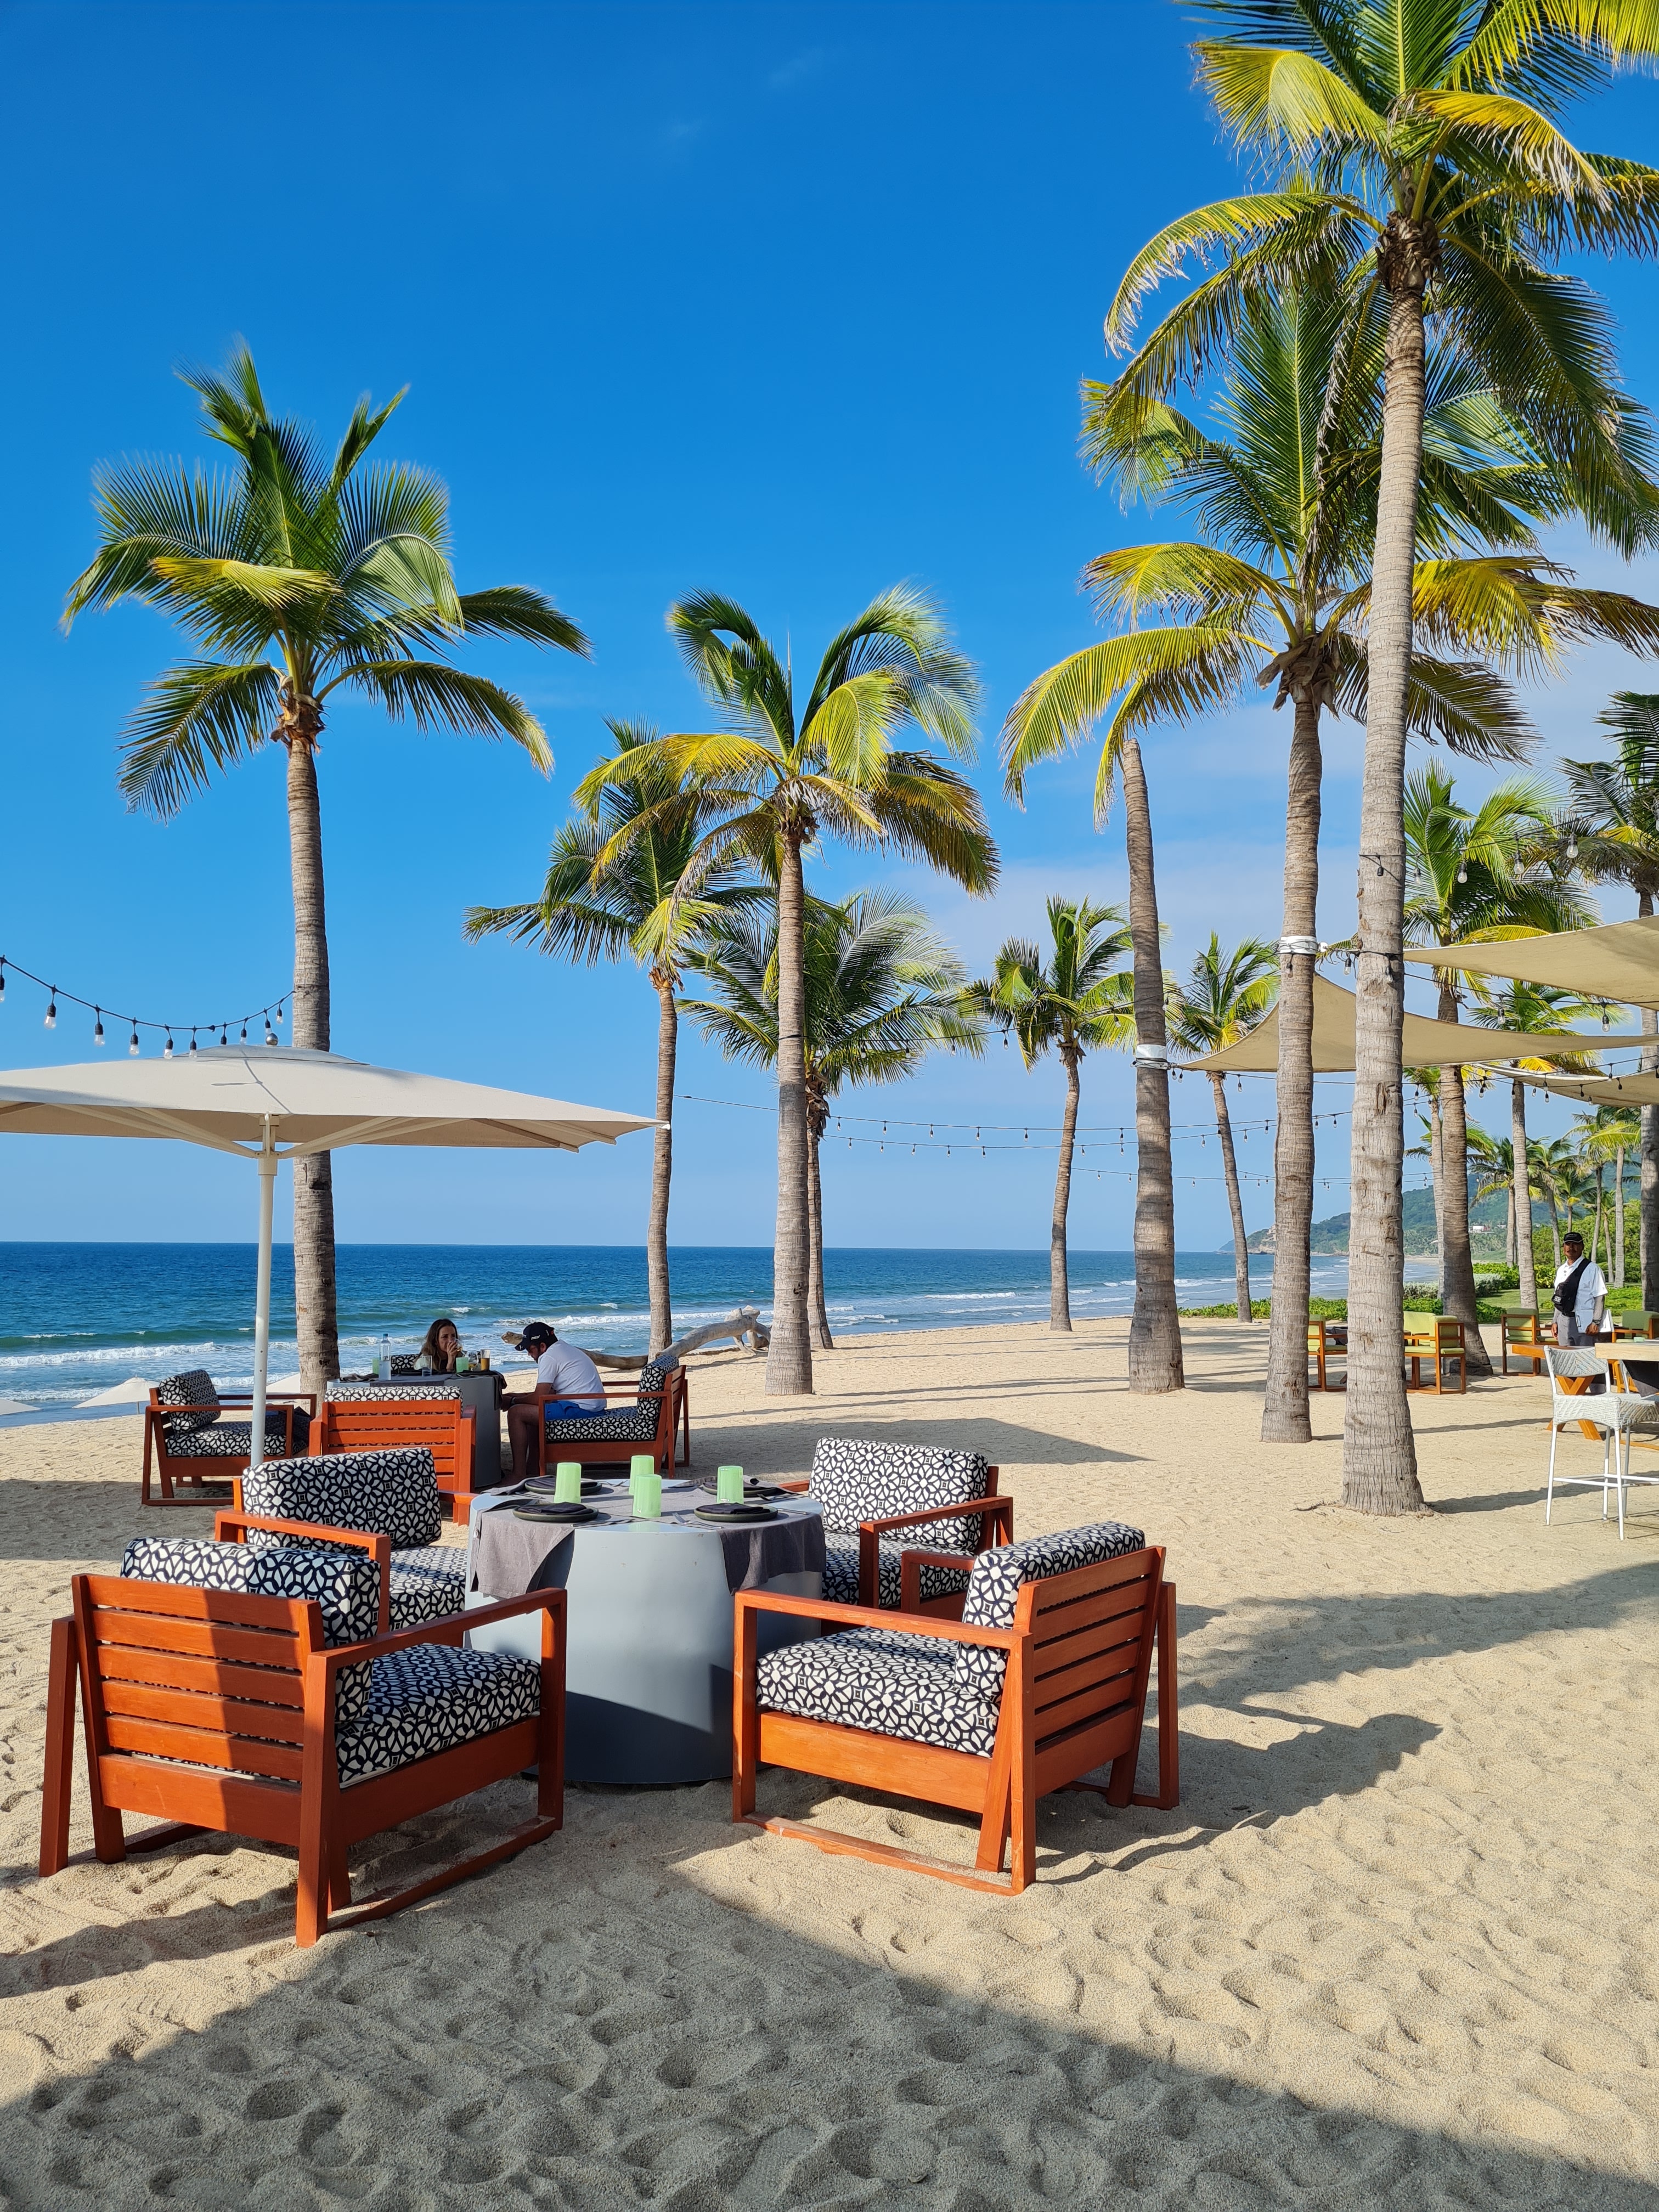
[(565, 1371), (1592, 1285)]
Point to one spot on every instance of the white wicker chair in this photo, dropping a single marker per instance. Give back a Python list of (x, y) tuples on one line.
[(1616, 1414)]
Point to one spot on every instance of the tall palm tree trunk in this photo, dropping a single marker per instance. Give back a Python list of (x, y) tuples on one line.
[(1060, 1298), (1379, 1454), (1596, 1231), (1648, 1187), (1456, 1254), (1619, 1218), (1511, 1257), (1520, 1197), (1154, 1332), (313, 1177), (1284, 1410), (662, 1167), (789, 1359), (1223, 1129), (818, 1313)]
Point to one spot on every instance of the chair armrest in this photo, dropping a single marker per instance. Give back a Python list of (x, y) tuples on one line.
[(999, 1510), (306, 1398), (358, 1540), (911, 1565), (861, 1616), (449, 1630)]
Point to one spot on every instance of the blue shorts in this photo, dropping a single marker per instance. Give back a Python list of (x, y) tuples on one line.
[(570, 1409)]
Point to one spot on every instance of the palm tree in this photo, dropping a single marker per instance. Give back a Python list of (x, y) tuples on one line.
[(1494, 1159), (1539, 1010), (1277, 591), (589, 914), (297, 576), (1614, 823), (1225, 996), (1473, 876), (1410, 154), (882, 991), (1609, 1132), (1069, 1002), (772, 782)]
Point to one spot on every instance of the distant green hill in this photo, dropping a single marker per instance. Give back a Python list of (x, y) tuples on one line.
[(1330, 1237)]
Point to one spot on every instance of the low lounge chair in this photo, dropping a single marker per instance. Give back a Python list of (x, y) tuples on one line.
[(1043, 1680), (361, 1417), (869, 1492), (1328, 1341), (189, 1445), (1523, 1343), (263, 1705), (1438, 1339), (661, 1406)]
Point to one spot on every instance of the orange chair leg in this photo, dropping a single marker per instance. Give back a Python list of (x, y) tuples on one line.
[(60, 1749)]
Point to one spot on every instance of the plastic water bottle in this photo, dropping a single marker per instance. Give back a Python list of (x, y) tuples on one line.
[(385, 1368)]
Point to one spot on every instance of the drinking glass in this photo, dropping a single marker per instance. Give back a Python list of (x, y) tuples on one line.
[(728, 1485)]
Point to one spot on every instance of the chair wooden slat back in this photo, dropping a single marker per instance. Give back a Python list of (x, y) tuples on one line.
[(213, 1677), (1089, 1654), (442, 1425)]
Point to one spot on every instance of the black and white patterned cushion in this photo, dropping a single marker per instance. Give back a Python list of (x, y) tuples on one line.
[(426, 1584), (876, 1678), (235, 1439), (345, 1585), (385, 1394), (196, 1388), (430, 1698), (999, 1574), (629, 1425), (389, 1492), (405, 1363), (841, 1569), (854, 1478)]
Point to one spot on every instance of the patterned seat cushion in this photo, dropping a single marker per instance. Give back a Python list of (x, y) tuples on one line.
[(345, 1585), (426, 1584), (629, 1425), (841, 1570), (195, 1388), (855, 1479), (999, 1574), (876, 1678), (389, 1393), (430, 1698), (392, 1492), (235, 1439)]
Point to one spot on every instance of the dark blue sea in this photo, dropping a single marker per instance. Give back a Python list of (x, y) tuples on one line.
[(76, 1319)]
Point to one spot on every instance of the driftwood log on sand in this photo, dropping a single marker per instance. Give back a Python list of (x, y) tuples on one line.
[(743, 1325)]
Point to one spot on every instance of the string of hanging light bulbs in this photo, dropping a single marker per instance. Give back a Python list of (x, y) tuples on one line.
[(135, 1022)]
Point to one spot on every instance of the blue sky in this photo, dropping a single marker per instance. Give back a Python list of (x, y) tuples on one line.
[(788, 300)]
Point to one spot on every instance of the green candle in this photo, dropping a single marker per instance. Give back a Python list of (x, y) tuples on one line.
[(567, 1482), (728, 1485), (641, 1464), (647, 1496)]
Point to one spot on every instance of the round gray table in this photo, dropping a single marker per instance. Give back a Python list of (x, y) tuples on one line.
[(649, 1623)]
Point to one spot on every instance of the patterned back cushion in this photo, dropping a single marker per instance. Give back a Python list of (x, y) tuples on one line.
[(383, 1493), (345, 1585), (854, 1480), (385, 1394), (654, 1378), (405, 1363), (194, 1387), (999, 1575)]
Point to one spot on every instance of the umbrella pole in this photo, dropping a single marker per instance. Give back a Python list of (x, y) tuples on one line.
[(262, 1296)]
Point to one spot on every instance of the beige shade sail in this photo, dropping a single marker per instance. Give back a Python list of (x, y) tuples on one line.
[(1619, 960), (253, 1100), (1598, 1089), (1427, 1044)]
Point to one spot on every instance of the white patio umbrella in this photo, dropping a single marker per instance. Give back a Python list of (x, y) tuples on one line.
[(269, 1103)]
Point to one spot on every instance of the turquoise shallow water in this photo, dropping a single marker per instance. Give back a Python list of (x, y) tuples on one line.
[(76, 1318)]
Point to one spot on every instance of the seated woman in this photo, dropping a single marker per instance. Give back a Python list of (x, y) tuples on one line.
[(438, 1355), (573, 1387)]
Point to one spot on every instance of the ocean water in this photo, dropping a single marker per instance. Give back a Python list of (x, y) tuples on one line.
[(76, 1319)]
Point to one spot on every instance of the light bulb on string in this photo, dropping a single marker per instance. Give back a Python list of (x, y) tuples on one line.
[(244, 1032), (223, 1039), (51, 1008), (3, 982), (191, 1055), (167, 1049), (132, 1043), (98, 1033), (271, 1033), (1462, 874)]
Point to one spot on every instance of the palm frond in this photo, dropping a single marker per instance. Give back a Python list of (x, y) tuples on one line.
[(433, 695), (194, 719)]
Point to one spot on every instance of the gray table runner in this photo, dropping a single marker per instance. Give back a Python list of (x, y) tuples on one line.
[(510, 1554)]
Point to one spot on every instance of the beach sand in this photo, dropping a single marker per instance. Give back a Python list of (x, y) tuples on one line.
[(1396, 1947)]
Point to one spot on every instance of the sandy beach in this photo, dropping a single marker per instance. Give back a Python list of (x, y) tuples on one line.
[(1396, 1947)]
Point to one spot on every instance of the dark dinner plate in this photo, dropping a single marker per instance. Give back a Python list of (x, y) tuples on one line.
[(572, 1514), (736, 1515), (545, 1485)]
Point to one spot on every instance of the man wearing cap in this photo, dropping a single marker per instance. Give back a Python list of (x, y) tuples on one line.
[(574, 1390)]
